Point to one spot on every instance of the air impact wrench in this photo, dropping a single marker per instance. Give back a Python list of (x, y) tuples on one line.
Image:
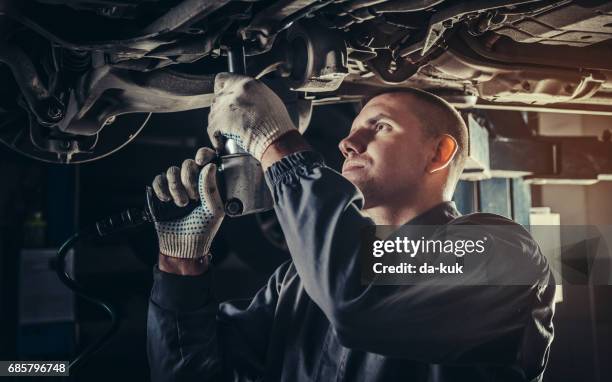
[(240, 176)]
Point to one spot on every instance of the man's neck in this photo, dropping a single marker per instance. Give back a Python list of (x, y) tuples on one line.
[(399, 214)]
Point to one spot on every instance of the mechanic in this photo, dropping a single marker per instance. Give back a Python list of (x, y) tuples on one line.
[(314, 320)]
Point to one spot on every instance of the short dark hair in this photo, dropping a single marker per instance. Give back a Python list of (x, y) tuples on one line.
[(444, 119)]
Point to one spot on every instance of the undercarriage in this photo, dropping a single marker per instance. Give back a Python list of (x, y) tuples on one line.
[(80, 78)]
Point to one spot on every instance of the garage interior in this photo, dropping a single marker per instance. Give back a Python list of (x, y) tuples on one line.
[(532, 80), (44, 203)]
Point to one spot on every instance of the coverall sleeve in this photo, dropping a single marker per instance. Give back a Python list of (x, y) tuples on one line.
[(190, 337), (319, 211)]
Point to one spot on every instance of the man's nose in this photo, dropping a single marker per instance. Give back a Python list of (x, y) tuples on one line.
[(355, 143)]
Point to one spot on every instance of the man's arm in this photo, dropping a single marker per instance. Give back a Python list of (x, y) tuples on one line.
[(319, 211), (190, 337), (181, 329)]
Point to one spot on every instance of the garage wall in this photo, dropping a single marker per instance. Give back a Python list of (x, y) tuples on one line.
[(583, 321), (577, 204)]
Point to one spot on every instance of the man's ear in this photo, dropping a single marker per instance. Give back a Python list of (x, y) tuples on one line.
[(446, 149)]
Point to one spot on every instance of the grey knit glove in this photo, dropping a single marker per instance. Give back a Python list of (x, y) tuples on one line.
[(248, 112), (191, 236)]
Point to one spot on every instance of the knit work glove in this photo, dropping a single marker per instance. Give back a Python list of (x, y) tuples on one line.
[(191, 236), (248, 112)]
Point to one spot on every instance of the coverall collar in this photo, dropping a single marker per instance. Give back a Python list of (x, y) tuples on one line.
[(440, 214)]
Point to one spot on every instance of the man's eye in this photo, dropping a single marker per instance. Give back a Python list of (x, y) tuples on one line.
[(380, 126)]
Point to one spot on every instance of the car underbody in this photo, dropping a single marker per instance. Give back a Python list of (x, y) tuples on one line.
[(79, 79)]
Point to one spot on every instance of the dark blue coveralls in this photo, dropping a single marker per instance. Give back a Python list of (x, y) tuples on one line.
[(315, 321)]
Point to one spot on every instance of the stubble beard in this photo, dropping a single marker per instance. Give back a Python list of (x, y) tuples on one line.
[(368, 189)]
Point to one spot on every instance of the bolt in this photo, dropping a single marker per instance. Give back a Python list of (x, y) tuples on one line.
[(233, 207), (447, 23), (65, 145)]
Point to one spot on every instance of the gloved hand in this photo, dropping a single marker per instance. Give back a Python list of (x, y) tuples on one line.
[(247, 111), (191, 236)]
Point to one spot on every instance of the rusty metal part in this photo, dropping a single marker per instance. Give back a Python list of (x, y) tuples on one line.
[(503, 49), (507, 82), (446, 18), (390, 70), (49, 145), (265, 25), (46, 108), (107, 92), (317, 58)]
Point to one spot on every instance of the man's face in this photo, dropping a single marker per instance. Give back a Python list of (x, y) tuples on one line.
[(385, 152)]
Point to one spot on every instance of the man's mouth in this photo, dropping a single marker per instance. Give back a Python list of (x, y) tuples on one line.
[(352, 165)]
